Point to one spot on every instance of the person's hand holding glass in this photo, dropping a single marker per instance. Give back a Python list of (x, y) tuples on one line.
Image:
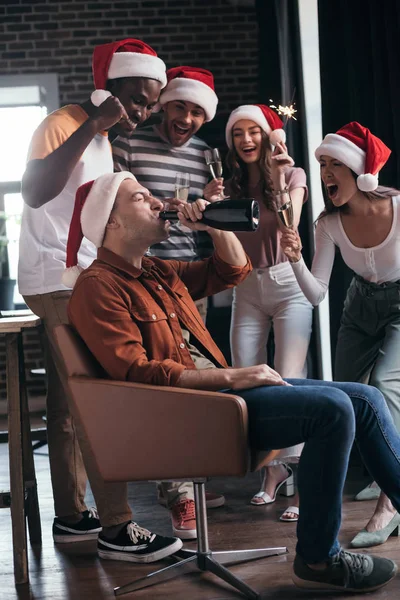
[(214, 190)]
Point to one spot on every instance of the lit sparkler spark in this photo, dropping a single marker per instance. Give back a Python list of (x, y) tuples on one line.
[(286, 111)]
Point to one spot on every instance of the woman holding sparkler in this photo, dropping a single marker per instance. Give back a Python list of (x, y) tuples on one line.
[(362, 220), (270, 296)]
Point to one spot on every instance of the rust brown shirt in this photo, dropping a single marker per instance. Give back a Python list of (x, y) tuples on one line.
[(131, 319)]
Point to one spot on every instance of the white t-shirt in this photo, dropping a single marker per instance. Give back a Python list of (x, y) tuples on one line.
[(378, 264), (44, 230)]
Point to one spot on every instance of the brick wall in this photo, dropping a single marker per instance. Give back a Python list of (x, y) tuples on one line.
[(58, 37), (39, 36)]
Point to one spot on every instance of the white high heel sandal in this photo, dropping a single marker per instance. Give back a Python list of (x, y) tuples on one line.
[(286, 486)]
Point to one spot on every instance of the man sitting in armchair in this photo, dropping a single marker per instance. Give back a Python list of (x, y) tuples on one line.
[(137, 316)]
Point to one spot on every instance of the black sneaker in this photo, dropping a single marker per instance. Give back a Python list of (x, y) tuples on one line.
[(347, 571), (88, 528), (136, 544)]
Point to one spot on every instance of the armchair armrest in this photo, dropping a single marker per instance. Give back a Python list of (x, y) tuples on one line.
[(143, 432)]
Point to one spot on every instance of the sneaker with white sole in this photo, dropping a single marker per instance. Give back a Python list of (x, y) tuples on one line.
[(347, 571), (137, 544), (183, 515), (88, 528), (212, 500)]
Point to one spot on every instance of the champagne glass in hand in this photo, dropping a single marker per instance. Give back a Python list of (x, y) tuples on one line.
[(284, 208), (182, 186), (214, 163)]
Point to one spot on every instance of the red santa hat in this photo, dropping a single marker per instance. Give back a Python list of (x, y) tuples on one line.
[(263, 116), (94, 202), (360, 150), (193, 85), (126, 58)]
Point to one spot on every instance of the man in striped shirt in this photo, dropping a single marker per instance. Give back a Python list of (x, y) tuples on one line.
[(155, 154)]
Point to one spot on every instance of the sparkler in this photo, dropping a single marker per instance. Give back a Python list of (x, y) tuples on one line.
[(286, 111)]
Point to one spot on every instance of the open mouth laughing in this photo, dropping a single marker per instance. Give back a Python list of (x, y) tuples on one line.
[(249, 150), (181, 131)]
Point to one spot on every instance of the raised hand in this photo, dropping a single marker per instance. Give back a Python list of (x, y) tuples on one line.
[(191, 214), (291, 244), (109, 113), (280, 163), (214, 190)]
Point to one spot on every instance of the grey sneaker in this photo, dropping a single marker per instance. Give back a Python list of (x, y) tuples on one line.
[(347, 571)]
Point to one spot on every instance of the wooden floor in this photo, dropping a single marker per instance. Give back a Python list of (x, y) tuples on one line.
[(75, 572)]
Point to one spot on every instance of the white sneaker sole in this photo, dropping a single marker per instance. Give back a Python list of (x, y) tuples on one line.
[(185, 534), (147, 558), (75, 537)]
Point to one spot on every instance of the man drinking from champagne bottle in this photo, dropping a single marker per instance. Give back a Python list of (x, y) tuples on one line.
[(168, 158), (142, 310)]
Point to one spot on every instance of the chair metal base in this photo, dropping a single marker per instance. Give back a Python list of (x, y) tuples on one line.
[(203, 559), (212, 562)]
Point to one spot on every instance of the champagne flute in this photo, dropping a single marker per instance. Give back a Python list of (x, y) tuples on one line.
[(214, 163), (284, 208), (182, 186)]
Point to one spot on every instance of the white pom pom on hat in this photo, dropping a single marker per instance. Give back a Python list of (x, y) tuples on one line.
[(367, 182), (94, 202), (125, 58), (263, 116), (99, 96), (363, 152)]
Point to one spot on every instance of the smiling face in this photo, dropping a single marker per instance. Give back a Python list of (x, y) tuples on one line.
[(338, 180), (247, 140), (182, 120), (135, 216), (138, 95)]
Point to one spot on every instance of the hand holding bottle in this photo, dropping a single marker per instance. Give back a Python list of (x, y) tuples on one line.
[(291, 244), (191, 214)]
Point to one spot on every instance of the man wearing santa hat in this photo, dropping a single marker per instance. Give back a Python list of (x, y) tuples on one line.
[(141, 308), (70, 147), (155, 154)]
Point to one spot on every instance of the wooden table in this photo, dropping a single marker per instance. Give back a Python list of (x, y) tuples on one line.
[(22, 497)]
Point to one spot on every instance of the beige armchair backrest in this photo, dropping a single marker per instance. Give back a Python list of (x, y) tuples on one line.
[(142, 432)]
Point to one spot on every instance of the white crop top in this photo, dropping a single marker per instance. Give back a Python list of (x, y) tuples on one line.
[(378, 264)]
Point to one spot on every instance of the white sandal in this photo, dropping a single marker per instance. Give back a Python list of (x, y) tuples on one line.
[(266, 498), (290, 509)]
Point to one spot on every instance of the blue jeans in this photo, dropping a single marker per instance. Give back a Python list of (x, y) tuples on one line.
[(327, 416)]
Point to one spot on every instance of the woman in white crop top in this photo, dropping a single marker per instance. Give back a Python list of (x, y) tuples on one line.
[(362, 220)]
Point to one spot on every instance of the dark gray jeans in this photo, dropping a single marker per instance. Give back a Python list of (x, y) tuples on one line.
[(368, 346)]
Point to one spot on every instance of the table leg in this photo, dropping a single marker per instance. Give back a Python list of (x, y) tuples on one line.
[(32, 502), (16, 460)]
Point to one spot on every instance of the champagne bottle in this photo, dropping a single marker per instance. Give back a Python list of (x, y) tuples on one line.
[(229, 215)]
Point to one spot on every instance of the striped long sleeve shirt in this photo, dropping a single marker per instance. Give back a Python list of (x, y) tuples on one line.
[(154, 162)]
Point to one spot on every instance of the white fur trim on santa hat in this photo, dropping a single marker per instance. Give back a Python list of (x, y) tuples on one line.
[(252, 113), (191, 90), (99, 96), (136, 64), (339, 147), (99, 203)]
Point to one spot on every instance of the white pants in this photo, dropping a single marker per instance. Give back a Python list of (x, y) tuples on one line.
[(269, 297)]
